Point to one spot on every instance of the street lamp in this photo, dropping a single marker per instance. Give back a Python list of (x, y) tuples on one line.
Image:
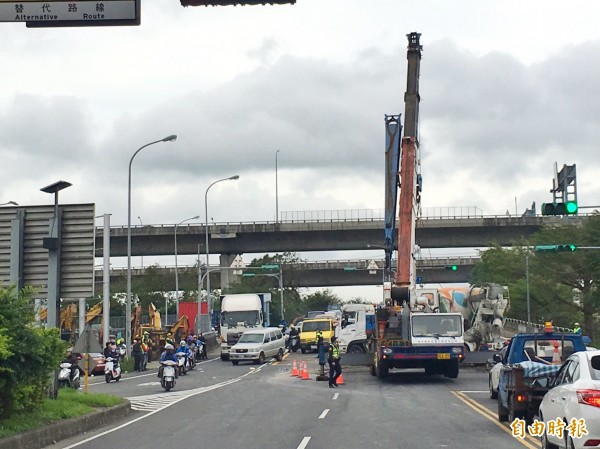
[(176, 268), (200, 284), (276, 191), (141, 257), (208, 295), (9, 202), (170, 138)]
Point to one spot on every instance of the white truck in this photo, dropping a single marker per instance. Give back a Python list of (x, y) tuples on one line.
[(238, 314), (355, 328)]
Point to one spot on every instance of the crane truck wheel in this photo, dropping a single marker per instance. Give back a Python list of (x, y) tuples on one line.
[(401, 294), (356, 349), (383, 370), (451, 370)]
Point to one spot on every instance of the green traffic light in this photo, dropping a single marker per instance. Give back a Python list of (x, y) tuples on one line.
[(451, 267), (572, 207), (566, 247)]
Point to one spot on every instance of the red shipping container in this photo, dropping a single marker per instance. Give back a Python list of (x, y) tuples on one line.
[(191, 310)]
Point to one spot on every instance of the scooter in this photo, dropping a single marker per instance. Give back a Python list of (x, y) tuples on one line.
[(201, 354), (294, 344), (167, 381), (64, 376), (181, 364), (112, 370), (191, 360)]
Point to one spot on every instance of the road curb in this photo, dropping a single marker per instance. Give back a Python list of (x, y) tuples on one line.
[(61, 430)]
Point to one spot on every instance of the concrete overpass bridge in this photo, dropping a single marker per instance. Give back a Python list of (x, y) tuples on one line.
[(328, 273), (318, 235)]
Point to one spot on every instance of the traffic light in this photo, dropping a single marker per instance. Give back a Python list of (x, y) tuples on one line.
[(555, 248), (451, 267), (568, 208)]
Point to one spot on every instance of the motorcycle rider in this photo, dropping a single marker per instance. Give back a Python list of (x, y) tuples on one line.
[(74, 361), (168, 354), (293, 334), (183, 347), (201, 343), (110, 350)]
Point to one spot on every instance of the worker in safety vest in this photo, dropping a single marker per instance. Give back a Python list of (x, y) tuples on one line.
[(577, 329), (335, 368)]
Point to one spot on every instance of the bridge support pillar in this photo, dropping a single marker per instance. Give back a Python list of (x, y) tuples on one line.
[(227, 275)]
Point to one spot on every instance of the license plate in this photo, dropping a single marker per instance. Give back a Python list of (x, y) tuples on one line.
[(443, 355), (314, 347)]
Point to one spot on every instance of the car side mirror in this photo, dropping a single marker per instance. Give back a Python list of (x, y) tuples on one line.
[(497, 358)]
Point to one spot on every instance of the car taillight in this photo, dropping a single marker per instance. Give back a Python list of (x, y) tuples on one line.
[(589, 397), (592, 443)]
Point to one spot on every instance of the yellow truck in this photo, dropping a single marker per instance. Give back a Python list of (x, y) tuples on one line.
[(308, 336)]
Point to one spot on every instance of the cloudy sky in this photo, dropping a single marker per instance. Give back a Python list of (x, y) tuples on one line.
[(507, 89)]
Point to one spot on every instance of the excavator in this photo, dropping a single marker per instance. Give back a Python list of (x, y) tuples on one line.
[(68, 318), (69, 322)]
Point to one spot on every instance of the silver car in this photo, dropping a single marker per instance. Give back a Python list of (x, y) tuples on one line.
[(258, 345)]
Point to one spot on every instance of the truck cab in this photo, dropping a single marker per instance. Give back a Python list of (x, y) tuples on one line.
[(238, 314), (356, 327), (308, 336)]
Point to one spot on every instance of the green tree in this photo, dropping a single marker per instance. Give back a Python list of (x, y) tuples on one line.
[(321, 300), (563, 286), (28, 353)]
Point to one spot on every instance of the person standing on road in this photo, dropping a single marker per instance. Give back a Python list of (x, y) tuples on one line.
[(335, 367), (148, 341), (144, 365), (137, 354)]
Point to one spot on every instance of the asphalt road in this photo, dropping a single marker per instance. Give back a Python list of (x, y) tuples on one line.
[(221, 406)]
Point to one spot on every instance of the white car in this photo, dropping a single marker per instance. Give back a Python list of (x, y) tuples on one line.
[(494, 374), (258, 345), (574, 398)]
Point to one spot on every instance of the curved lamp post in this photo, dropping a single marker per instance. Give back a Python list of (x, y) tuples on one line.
[(170, 138), (176, 267), (141, 257), (208, 295)]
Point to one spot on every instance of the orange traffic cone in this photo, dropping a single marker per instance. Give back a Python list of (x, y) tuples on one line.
[(556, 355), (340, 380), (294, 370), (305, 372), (301, 370)]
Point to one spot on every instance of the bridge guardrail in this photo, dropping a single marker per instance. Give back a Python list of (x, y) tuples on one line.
[(524, 326)]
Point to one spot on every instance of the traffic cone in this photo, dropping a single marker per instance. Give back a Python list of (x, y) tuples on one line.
[(294, 370), (301, 370), (305, 372), (556, 355), (340, 380)]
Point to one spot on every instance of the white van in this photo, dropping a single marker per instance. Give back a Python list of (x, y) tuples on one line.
[(258, 345)]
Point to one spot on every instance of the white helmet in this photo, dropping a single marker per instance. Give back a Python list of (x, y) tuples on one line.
[(169, 346)]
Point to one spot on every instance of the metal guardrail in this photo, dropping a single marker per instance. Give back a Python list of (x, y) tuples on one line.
[(359, 264), (374, 215), (524, 326)]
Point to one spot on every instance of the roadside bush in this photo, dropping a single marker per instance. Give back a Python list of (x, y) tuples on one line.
[(28, 353)]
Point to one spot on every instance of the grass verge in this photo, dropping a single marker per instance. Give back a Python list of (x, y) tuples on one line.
[(69, 404)]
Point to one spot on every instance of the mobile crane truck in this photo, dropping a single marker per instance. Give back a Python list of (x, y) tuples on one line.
[(409, 332)]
